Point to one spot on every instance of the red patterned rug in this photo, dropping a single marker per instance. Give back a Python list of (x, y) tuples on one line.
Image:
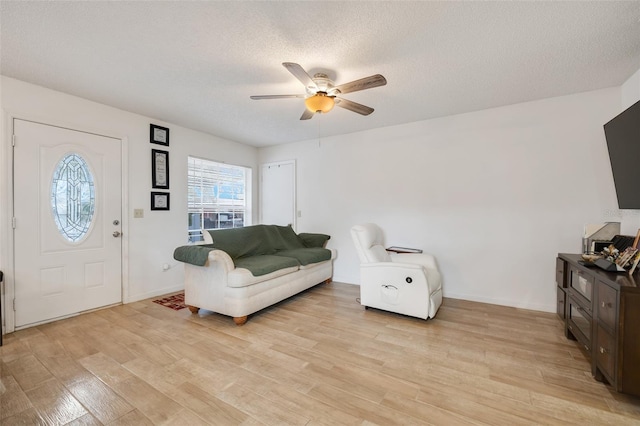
[(175, 302)]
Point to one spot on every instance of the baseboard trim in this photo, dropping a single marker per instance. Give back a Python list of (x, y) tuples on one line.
[(155, 293), (502, 302)]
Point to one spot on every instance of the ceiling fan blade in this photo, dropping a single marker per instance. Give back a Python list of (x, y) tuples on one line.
[(275, 97), (306, 114), (354, 106), (362, 84), (299, 73)]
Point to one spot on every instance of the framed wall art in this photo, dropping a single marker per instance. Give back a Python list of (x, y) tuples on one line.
[(159, 135), (159, 169), (160, 201)]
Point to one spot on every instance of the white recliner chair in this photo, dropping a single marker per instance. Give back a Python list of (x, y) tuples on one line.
[(408, 284)]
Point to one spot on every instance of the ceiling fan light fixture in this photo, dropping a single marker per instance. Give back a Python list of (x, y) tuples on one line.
[(319, 102)]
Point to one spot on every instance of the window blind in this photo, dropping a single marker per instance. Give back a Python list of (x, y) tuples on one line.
[(216, 195)]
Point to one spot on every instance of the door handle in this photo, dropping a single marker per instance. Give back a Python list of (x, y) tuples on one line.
[(116, 234)]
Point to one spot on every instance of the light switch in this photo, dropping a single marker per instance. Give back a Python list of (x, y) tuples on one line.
[(138, 213)]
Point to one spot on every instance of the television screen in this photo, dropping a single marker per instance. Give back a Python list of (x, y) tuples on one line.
[(623, 141)]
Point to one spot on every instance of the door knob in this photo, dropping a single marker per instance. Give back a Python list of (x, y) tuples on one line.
[(116, 234)]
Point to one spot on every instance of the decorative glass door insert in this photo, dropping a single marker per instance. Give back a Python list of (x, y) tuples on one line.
[(73, 197)]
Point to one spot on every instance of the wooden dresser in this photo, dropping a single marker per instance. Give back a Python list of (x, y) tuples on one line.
[(601, 310)]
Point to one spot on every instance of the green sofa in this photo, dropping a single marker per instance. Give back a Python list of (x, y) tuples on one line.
[(248, 269)]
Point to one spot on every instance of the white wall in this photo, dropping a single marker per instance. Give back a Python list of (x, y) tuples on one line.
[(631, 91), (152, 239), (494, 194)]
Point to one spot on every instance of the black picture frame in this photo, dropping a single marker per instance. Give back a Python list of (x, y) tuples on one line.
[(160, 200), (159, 135), (159, 169)]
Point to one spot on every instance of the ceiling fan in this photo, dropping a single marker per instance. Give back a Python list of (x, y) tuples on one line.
[(322, 95)]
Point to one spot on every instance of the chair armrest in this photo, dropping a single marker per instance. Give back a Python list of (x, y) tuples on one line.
[(426, 260), (391, 266)]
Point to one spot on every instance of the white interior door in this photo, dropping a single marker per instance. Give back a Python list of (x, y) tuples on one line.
[(67, 209), (278, 193)]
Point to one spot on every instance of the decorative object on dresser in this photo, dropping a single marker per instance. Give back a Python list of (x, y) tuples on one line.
[(601, 311), (619, 256), (597, 236)]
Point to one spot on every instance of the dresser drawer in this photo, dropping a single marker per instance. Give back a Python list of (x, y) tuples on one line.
[(561, 309), (606, 354), (606, 305), (560, 273), (582, 283), (579, 323)]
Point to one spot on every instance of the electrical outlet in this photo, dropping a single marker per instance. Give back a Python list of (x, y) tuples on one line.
[(138, 213)]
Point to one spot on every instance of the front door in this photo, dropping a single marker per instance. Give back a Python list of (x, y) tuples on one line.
[(67, 208)]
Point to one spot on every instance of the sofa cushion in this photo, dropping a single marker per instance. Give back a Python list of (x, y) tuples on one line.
[(242, 242), (306, 256), (264, 264), (241, 277)]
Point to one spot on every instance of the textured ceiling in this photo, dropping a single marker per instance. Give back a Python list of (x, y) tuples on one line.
[(195, 64)]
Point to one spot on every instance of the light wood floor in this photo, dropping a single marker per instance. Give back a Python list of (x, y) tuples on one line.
[(316, 359)]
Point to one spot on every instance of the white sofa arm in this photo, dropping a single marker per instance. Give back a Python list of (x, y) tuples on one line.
[(205, 286), (222, 258)]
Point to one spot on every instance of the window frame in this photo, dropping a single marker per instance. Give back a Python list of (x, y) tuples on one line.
[(212, 188)]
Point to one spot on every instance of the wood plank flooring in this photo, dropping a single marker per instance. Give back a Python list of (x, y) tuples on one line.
[(318, 358)]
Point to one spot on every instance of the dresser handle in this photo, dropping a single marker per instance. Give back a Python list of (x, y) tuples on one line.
[(605, 305), (603, 350)]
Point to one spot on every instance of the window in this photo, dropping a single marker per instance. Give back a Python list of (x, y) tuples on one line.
[(217, 196)]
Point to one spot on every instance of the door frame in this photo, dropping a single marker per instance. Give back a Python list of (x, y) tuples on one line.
[(295, 189), (7, 254)]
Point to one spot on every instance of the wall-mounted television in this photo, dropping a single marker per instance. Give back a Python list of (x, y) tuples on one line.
[(623, 141)]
